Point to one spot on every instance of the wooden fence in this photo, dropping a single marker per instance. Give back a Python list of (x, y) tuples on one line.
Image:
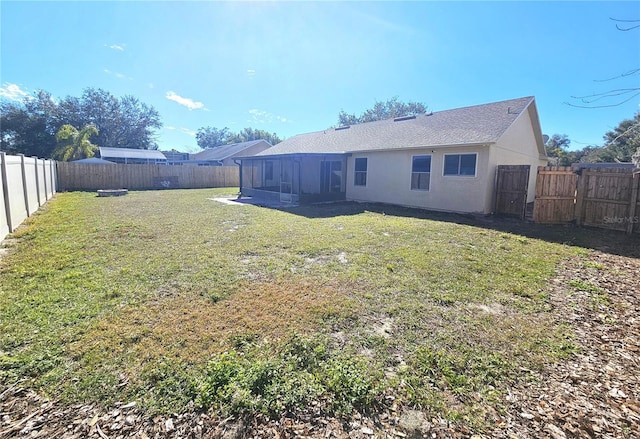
[(608, 198), (84, 176), (26, 183)]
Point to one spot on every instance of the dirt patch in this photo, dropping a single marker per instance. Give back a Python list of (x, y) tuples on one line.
[(596, 393), (592, 394), (192, 326)]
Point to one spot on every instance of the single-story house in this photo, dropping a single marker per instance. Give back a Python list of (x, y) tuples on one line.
[(94, 161), (444, 160), (132, 156), (223, 155)]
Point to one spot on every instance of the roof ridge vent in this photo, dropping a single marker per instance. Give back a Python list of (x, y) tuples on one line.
[(400, 119), (343, 127)]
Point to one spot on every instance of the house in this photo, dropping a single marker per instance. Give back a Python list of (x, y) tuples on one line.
[(132, 156), (444, 160), (224, 155), (94, 161)]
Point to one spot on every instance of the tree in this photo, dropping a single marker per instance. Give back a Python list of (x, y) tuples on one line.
[(211, 137), (624, 140), (122, 123), (248, 134), (30, 126), (383, 110), (556, 148), (74, 144)]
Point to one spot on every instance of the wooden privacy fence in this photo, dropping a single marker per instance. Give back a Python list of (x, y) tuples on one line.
[(26, 183), (85, 176), (608, 198)]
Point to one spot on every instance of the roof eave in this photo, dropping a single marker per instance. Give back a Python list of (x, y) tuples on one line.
[(443, 145)]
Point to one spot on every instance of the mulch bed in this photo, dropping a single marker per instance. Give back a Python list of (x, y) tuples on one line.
[(594, 394)]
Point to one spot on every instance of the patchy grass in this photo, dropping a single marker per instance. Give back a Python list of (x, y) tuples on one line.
[(169, 297)]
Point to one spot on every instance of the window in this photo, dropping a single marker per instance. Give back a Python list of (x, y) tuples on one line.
[(460, 164), (360, 175), (421, 172)]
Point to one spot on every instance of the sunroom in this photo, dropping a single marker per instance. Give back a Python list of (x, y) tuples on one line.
[(294, 178)]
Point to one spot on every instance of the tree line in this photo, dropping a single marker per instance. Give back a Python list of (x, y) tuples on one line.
[(74, 127), (622, 145), (30, 126)]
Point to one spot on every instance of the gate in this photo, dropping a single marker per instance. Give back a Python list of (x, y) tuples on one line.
[(512, 183), (555, 201), (607, 198)]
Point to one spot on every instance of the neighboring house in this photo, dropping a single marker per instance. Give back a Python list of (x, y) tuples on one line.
[(223, 155), (444, 160), (94, 161), (132, 156), (175, 156)]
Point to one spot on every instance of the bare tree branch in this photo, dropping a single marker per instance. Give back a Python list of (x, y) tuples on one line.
[(626, 94), (624, 75), (625, 21), (604, 106)]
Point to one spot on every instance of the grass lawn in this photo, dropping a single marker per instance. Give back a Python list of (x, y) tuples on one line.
[(168, 297)]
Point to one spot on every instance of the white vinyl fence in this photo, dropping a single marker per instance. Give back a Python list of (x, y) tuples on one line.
[(26, 183)]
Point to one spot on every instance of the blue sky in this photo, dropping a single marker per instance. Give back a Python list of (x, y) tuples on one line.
[(290, 67)]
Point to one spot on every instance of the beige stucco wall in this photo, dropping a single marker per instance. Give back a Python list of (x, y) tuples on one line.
[(518, 146), (389, 181)]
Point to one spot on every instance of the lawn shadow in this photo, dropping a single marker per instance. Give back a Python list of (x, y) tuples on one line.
[(607, 241)]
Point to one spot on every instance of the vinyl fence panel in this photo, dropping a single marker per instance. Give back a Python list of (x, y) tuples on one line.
[(26, 183)]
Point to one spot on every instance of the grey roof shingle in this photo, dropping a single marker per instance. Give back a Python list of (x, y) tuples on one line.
[(469, 125), (225, 151)]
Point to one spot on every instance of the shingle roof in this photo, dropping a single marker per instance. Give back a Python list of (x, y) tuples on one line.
[(469, 125), (225, 151), (131, 153), (94, 161)]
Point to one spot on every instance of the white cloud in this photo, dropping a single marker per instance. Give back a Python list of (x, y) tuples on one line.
[(119, 47), (188, 131), (262, 116), (186, 102), (169, 127), (251, 73), (13, 92), (117, 74)]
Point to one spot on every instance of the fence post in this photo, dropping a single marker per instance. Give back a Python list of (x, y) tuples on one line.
[(44, 170), (635, 182), (580, 195), (24, 184), (37, 181), (5, 189), (54, 175)]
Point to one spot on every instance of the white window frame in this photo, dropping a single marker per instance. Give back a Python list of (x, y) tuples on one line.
[(355, 172), (411, 176), (475, 170)]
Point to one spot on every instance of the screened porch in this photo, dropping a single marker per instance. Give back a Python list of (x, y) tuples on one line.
[(294, 178)]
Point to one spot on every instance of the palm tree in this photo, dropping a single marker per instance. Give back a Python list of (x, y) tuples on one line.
[(74, 144)]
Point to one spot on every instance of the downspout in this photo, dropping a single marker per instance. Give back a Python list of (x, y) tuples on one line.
[(239, 164)]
